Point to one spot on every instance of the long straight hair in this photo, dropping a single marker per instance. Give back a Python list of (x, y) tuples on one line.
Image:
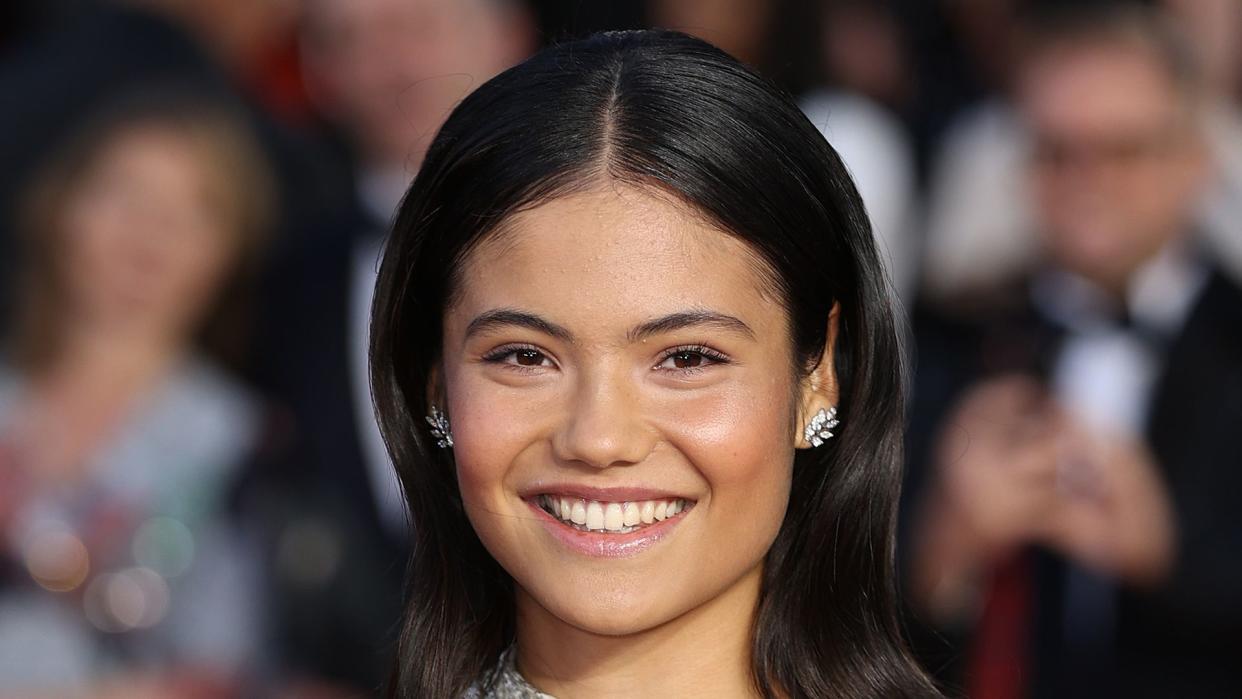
[(658, 109)]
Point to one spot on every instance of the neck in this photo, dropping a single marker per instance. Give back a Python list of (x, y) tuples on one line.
[(1122, 283), (115, 358), (704, 652), (1117, 278), (79, 397)]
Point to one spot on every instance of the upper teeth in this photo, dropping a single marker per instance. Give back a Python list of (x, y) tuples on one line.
[(592, 515)]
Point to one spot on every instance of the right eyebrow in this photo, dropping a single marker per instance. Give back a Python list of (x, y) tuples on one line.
[(500, 317)]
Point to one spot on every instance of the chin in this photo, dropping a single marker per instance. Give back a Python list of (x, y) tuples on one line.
[(608, 612), (1091, 254)]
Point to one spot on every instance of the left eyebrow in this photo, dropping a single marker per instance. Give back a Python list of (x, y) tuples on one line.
[(690, 319)]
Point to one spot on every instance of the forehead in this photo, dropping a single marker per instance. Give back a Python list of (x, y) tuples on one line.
[(1101, 87), (163, 156), (613, 256), (326, 14)]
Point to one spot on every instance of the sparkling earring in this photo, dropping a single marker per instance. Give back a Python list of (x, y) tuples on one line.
[(440, 428), (819, 429)]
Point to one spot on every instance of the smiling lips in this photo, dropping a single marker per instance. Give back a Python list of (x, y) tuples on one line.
[(611, 517)]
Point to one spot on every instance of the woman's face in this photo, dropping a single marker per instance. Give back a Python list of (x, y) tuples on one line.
[(143, 247), (620, 384)]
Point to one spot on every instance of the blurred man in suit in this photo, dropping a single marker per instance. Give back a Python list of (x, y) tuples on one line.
[(385, 73), (1073, 521)]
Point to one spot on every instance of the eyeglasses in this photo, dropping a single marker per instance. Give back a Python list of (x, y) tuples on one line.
[(1057, 153)]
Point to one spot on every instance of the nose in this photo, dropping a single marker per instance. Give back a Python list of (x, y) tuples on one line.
[(603, 426)]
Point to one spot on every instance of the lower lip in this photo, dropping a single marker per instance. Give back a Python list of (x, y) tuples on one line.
[(601, 544)]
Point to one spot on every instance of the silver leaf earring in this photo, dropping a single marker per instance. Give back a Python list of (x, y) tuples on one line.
[(819, 429), (440, 428)]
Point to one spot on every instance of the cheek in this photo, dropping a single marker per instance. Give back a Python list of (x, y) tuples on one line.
[(1160, 196), (93, 237), (94, 267), (482, 464), (196, 264), (491, 427), (731, 434), (741, 443)]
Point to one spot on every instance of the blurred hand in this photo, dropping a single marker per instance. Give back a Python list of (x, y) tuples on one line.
[(996, 466), (1113, 513), (1013, 468)]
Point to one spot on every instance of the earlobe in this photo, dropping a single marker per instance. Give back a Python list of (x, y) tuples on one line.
[(437, 420), (818, 414)]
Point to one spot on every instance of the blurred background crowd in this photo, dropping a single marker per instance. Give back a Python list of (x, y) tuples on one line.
[(194, 498)]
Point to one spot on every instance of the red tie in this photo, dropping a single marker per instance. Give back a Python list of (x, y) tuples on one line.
[(997, 667)]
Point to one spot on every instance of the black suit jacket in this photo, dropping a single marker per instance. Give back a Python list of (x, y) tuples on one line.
[(1184, 639), (336, 570)]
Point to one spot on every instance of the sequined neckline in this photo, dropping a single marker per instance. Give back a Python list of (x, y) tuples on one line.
[(509, 683)]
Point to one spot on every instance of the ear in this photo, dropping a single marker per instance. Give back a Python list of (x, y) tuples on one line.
[(819, 389), (435, 388)]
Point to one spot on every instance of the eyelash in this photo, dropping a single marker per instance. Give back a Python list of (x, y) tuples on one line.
[(707, 353), (502, 353)]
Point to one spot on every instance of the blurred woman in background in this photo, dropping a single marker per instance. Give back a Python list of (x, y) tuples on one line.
[(119, 438)]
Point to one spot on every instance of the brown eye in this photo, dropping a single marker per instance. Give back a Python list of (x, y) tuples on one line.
[(687, 360), (528, 357)]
